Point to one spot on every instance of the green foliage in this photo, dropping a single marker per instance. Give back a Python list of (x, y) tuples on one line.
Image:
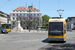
[(45, 19)]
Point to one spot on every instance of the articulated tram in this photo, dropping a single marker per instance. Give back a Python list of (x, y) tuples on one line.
[(6, 26), (57, 29)]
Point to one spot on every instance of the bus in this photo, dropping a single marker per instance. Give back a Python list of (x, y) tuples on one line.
[(6, 26), (57, 30)]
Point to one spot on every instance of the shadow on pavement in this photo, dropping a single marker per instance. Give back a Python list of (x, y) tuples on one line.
[(67, 46), (46, 41)]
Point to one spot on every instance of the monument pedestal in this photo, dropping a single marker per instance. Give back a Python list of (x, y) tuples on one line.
[(19, 28)]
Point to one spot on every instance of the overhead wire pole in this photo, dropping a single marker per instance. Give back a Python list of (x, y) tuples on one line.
[(32, 4), (26, 4), (39, 16), (60, 11)]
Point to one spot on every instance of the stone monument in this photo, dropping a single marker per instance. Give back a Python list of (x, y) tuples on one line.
[(19, 28)]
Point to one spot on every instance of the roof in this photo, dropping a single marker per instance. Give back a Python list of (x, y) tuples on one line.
[(26, 8), (2, 14), (5, 23), (56, 19)]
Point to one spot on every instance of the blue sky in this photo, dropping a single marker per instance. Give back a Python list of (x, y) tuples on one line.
[(48, 7)]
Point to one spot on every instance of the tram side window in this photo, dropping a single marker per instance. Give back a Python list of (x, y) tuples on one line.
[(3, 26), (65, 28)]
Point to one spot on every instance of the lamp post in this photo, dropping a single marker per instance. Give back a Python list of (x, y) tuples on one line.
[(60, 11)]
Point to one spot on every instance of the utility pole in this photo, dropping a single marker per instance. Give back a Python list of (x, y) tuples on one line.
[(29, 18), (60, 11), (26, 4), (39, 16)]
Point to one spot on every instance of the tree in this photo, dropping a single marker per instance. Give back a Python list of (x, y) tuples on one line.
[(45, 19)]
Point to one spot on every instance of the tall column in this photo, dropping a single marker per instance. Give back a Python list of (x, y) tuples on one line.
[(19, 28)]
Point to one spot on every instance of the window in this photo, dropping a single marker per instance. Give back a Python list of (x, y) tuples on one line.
[(27, 14), (13, 18), (30, 14), (13, 23), (13, 14), (20, 11), (38, 15), (13, 11), (23, 14), (65, 28), (20, 14), (16, 11), (16, 14), (34, 14), (56, 28)]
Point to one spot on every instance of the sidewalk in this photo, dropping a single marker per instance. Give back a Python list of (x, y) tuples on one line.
[(27, 31)]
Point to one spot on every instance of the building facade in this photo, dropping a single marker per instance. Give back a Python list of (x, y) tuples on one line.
[(4, 18), (70, 23), (25, 15)]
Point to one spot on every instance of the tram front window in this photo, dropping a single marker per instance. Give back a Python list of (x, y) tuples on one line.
[(8, 26), (56, 28)]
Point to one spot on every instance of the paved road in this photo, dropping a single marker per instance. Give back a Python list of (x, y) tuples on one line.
[(34, 41), (68, 45), (22, 41)]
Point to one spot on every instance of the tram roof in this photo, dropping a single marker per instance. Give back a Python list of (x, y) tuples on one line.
[(5, 23), (57, 19)]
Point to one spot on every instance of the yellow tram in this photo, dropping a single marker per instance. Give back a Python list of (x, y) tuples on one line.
[(57, 29), (6, 26)]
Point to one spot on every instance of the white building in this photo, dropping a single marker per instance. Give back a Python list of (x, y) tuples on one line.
[(25, 13), (70, 23), (4, 18)]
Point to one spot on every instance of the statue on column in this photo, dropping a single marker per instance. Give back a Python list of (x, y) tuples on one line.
[(19, 28)]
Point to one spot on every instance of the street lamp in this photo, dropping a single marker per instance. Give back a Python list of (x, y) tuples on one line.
[(60, 11)]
